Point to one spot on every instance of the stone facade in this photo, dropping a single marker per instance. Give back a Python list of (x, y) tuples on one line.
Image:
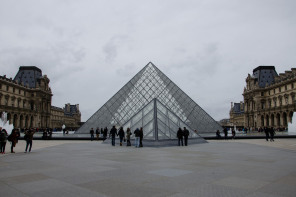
[(269, 98), (236, 114), (27, 101)]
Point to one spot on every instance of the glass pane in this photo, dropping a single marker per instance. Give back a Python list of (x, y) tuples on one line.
[(127, 125), (135, 126), (149, 131), (136, 118), (173, 118), (148, 108), (148, 117), (162, 117), (163, 131)]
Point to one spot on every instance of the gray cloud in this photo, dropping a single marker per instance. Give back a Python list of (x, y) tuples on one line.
[(90, 49)]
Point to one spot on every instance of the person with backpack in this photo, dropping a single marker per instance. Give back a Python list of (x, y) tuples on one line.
[(3, 140)]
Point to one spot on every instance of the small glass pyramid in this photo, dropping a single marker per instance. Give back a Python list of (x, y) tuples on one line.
[(174, 108), (158, 122)]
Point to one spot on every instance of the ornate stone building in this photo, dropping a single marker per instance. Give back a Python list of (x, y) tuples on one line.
[(27, 100), (69, 116), (236, 114), (269, 98)]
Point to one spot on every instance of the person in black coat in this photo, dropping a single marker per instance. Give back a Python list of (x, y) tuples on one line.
[(186, 134), (92, 132), (218, 135), (141, 137), (121, 135), (113, 133), (105, 133), (225, 133), (3, 140), (266, 133), (271, 133), (137, 138), (180, 136)]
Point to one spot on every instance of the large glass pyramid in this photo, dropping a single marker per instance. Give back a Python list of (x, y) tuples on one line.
[(149, 84)]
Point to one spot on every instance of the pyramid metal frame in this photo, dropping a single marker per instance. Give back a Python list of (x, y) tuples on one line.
[(148, 84)]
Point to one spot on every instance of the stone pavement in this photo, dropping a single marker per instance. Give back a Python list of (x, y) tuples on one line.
[(218, 168)]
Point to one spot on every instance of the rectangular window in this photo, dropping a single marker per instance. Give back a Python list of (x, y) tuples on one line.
[(280, 90), (262, 93)]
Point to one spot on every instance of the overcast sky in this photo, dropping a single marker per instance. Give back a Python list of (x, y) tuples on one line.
[(89, 48)]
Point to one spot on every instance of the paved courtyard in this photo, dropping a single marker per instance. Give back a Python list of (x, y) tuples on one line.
[(218, 168)]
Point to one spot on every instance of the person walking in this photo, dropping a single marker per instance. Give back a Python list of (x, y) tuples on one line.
[(121, 135), (218, 135), (225, 133), (141, 136), (29, 139), (180, 136), (128, 137), (105, 133), (13, 138), (271, 133), (97, 133), (186, 134), (3, 140), (113, 133), (266, 133), (92, 132), (233, 133), (137, 138)]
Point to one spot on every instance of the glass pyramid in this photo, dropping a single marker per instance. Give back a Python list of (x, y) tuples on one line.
[(158, 122), (149, 84)]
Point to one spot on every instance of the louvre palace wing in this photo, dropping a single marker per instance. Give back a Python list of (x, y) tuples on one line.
[(148, 84)]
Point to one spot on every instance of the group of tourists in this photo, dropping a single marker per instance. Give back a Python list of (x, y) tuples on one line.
[(269, 133), (126, 136), (123, 136), (13, 139), (182, 134), (100, 133)]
